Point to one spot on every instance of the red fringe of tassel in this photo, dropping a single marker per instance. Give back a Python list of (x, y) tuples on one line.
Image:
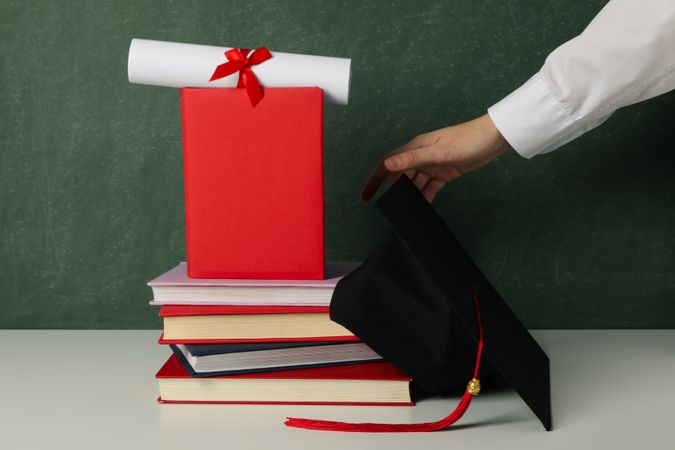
[(328, 425)]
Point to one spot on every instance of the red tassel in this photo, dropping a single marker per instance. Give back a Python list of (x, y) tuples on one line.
[(329, 425), (472, 390)]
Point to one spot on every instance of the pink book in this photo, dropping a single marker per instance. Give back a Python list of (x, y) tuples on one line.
[(176, 288)]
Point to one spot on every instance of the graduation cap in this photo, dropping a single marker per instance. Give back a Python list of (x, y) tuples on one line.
[(421, 303)]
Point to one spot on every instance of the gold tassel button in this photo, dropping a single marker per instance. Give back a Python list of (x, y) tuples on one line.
[(473, 387)]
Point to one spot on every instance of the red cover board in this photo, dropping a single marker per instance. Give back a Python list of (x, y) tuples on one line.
[(254, 183), (224, 310)]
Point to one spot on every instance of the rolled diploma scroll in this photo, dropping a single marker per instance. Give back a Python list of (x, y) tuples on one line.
[(177, 65)]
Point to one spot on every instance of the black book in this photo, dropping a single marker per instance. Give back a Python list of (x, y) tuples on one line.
[(208, 360)]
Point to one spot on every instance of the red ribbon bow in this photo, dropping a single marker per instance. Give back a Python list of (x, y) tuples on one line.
[(240, 60)]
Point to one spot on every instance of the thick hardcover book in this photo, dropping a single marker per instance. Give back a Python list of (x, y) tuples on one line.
[(209, 324), (176, 288), (377, 383), (254, 183), (230, 359)]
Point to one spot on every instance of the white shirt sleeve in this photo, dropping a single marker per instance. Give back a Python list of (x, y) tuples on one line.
[(624, 56)]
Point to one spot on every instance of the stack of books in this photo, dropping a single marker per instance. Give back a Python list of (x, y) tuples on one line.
[(265, 341), (254, 208)]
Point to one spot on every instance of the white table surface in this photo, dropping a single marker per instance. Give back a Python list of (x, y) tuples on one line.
[(96, 390)]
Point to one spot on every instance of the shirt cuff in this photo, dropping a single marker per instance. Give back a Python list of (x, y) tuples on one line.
[(533, 120)]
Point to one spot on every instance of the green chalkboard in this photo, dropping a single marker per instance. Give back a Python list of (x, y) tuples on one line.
[(91, 202)]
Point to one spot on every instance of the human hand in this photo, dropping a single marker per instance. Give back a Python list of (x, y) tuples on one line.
[(432, 159)]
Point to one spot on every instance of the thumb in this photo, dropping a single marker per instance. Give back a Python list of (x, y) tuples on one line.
[(410, 159)]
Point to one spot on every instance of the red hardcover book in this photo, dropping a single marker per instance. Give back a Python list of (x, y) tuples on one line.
[(254, 183), (344, 385), (199, 324)]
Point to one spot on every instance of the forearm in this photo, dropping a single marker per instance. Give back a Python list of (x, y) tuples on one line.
[(624, 56)]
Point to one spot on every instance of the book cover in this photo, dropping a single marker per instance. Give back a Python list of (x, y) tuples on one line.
[(217, 310), (178, 276), (163, 341), (254, 183)]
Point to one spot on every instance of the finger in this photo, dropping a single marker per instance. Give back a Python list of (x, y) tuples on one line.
[(423, 187), (420, 180), (380, 172), (374, 181), (393, 177), (451, 173), (432, 188), (411, 159), (444, 174)]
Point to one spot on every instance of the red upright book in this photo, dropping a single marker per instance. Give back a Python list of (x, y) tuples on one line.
[(254, 183)]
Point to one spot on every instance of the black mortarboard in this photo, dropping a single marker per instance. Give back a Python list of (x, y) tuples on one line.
[(411, 302)]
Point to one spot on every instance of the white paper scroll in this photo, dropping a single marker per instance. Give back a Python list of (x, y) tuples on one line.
[(173, 64)]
